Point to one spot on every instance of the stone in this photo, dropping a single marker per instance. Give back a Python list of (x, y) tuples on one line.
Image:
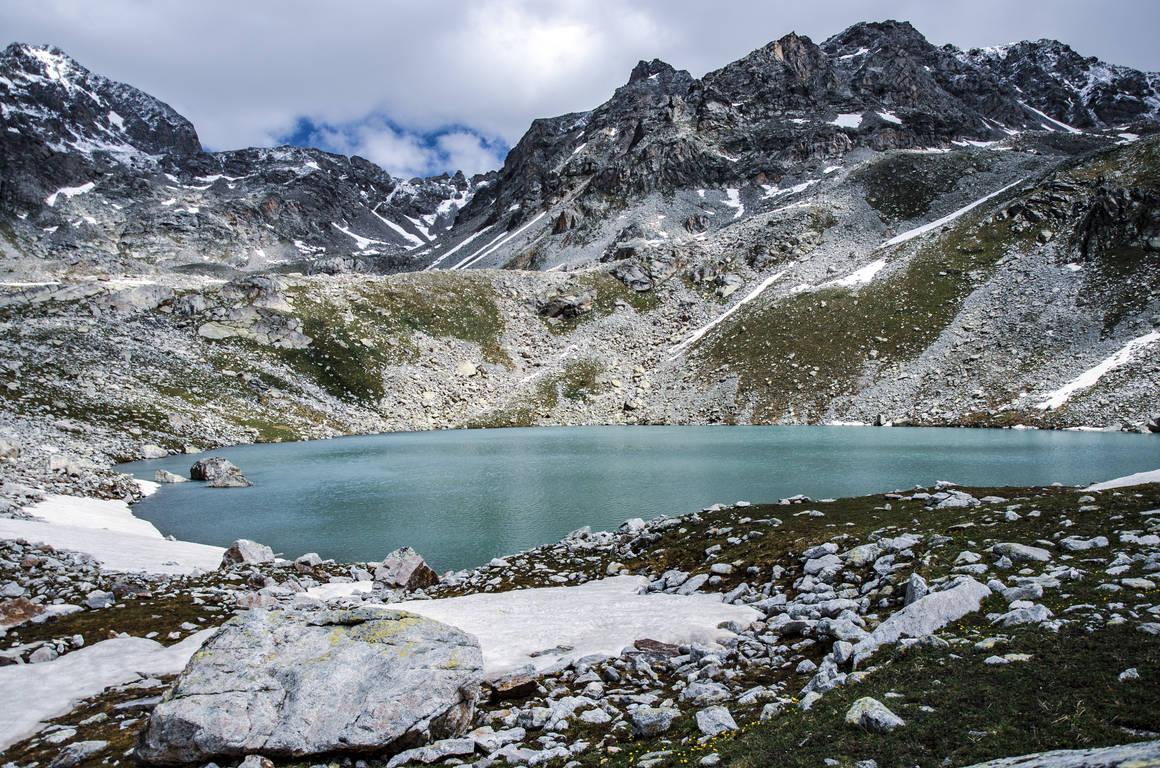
[(212, 469), (925, 616), (862, 556), (98, 599), (1076, 544), (516, 686), (256, 761), (229, 481), (151, 451), (652, 721), (12, 589), (916, 588), (595, 717), (309, 560), (405, 568), (42, 654), (300, 683), (873, 715), (1021, 553), (1129, 674), (704, 693), (488, 740), (76, 753), (434, 752), (246, 551), (714, 720), (9, 449), (1139, 755), (165, 476), (1024, 615)]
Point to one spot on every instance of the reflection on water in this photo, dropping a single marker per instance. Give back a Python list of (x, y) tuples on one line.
[(463, 497)]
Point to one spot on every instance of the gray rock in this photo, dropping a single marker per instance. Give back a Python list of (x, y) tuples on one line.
[(1076, 544), (9, 449), (256, 761), (405, 568), (873, 715), (434, 752), (151, 451), (1021, 553), (916, 588), (1144, 754), (304, 683), (1024, 615), (165, 476), (489, 740), (212, 469), (925, 616), (229, 481), (77, 752), (652, 721), (704, 693), (693, 584), (714, 720), (246, 551)]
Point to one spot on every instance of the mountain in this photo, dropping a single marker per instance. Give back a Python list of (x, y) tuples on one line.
[(871, 230), (99, 173)]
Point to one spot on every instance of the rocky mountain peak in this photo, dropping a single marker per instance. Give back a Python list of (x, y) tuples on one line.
[(49, 95), (647, 69)]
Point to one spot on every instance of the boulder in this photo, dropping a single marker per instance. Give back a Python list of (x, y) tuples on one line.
[(1021, 553), (18, 610), (296, 684), (212, 469), (246, 551), (405, 568), (652, 721), (1144, 753), (151, 451), (925, 616), (873, 715), (714, 720), (165, 476), (9, 449), (229, 481)]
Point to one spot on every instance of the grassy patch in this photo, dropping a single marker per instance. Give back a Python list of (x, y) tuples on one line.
[(607, 292), (804, 350), (373, 326), (575, 382)]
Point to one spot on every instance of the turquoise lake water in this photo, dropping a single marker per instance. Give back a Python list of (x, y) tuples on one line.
[(462, 497)]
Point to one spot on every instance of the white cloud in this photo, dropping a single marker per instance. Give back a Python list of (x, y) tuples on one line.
[(468, 153)]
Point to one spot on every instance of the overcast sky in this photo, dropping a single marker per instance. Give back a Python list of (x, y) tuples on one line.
[(424, 86)]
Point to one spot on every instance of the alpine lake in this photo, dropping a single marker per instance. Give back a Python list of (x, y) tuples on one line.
[(462, 497)]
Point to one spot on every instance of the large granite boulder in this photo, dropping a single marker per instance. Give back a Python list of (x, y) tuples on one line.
[(299, 683), (246, 551)]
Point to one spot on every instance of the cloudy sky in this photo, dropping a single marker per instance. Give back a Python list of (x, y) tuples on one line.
[(424, 86)]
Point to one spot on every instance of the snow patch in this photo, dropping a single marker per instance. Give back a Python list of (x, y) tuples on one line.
[(890, 117), (30, 694), (733, 200), (597, 618), (861, 277), (848, 120), (50, 201), (1121, 482), (1088, 378), (1050, 119)]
